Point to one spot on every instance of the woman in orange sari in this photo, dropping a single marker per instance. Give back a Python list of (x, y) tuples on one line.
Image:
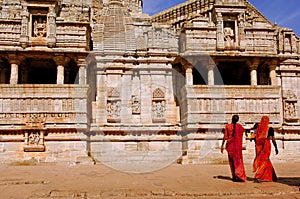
[(262, 165), (233, 135)]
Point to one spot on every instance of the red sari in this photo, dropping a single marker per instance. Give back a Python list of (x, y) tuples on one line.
[(234, 150), (262, 165)]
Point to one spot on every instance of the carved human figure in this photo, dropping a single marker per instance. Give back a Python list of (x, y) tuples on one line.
[(228, 34), (40, 29), (158, 109), (287, 44), (113, 109), (290, 110), (136, 105), (33, 138)]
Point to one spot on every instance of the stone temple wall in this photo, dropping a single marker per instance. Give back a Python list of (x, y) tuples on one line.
[(101, 82)]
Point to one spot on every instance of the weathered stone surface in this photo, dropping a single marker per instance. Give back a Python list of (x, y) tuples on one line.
[(100, 78)]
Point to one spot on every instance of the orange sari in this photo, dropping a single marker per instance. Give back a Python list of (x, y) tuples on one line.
[(262, 165), (234, 150)]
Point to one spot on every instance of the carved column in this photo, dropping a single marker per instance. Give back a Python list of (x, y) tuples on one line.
[(220, 35), (272, 68), (253, 71), (26, 137), (60, 61), (189, 76), (82, 70), (211, 74), (51, 34), (14, 61), (241, 28), (42, 134), (60, 74), (24, 27), (280, 42)]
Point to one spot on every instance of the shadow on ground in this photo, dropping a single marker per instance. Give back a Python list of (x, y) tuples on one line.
[(291, 181), (230, 179)]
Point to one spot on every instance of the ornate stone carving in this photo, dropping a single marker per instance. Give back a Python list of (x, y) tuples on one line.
[(290, 106), (113, 92), (158, 110), (34, 141), (290, 96), (33, 138), (11, 9), (158, 94), (77, 11), (229, 35), (113, 110), (40, 28), (51, 37), (290, 110), (135, 105), (34, 121), (158, 106)]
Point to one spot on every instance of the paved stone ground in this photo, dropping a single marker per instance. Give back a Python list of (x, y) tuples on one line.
[(212, 181)]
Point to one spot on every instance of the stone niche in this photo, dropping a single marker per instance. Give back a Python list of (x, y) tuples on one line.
[(34, 141), (34, 135)]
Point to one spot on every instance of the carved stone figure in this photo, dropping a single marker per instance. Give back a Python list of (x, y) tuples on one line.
[(113, 109), (229, 35), (34, 138), (135, 105), (158, 109), (40, 28)]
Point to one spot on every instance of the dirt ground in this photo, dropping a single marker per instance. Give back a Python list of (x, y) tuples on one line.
[(39, 181)]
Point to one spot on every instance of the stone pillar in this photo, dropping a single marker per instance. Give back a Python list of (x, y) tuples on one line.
[(14, 73), (60, 61), (253, 76), (24, 38), (101, 98), (220, 35), (241, 29), (60, 74), (189, 76), (42, 134), (26, 137), (14, 61), (82, 70), (51, 30), (272, 74), (210, 74), (211, 78), (253, 65)]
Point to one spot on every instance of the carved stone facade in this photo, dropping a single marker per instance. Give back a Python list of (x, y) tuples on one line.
[(100, 79)]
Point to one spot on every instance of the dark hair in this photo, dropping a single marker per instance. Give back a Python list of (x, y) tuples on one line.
[(255, 126), (234, 120), (270, 132)]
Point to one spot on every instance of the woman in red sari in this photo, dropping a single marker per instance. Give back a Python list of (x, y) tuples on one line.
[(262, 165), (233, 135)]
